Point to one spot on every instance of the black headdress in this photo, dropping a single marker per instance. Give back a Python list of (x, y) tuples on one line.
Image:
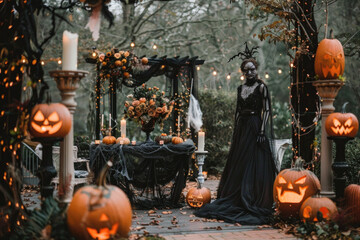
[(247, 54)]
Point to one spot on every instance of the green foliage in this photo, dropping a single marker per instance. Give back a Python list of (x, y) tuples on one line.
[(352, 156), (281, 120), (50, 214), (218, 109)]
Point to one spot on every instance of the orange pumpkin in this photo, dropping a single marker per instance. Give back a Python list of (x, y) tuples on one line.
[(50, 120), (292, 187), (124, 140), (329, 59), (352, 202), (99, 212), (342, 124), (198, 196), (177, 140), (311, 206), (109, 140)]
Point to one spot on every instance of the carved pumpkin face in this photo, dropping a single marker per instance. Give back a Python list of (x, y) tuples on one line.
[(310, 208), (50, 120), (96, 212), (342, 124), (292, 187), (197, 197), (330, 59)]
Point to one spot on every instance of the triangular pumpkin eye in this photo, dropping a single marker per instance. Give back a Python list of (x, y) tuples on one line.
[(282, 180), (54, 117), (337, 123), (348, 122), (301, 180), (39, 116)]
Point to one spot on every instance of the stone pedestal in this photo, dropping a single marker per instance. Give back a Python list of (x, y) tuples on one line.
[(328, 90), (67, 82), (200, 158)]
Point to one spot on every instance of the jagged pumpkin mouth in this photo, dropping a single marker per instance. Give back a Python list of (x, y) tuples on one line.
[(288, 196)]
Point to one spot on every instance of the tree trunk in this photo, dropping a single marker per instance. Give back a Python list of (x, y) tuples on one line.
[(303, 95)]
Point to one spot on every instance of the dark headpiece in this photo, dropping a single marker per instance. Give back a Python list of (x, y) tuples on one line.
[(247, 54)]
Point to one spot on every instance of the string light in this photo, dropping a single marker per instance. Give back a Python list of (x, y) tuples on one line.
[(42, 63), (94, 54), (198, 68), (228, 77), (279, 71), (59, 61), (154, 46), (214, 73), (267, 75), (242, 78), (132, 44)]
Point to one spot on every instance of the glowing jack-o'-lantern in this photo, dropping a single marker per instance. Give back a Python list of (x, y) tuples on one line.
[(291, 188), (99, 212), (342, 124), (198, 196), (329, 59), (311, 206), (50, 120)]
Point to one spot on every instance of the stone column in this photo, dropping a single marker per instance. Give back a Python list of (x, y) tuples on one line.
[(67, 82), (328, 90)]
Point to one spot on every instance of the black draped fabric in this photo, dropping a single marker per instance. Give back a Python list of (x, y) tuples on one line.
[(245, 189), (146, 170)]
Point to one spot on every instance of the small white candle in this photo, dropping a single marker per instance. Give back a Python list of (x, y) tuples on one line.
[(133, 142), (102, 121), (123, 128), (109, 120), (179, 121), (201, 141), (69, 55), (161, 142)]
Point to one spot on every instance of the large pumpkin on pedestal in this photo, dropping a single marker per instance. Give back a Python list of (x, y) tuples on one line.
[(342, 124), (329, 59), (99, 212), (311, 206), (292, 187), (352, 202), (50, 120)]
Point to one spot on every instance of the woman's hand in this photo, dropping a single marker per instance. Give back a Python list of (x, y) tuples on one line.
[(261, 137)]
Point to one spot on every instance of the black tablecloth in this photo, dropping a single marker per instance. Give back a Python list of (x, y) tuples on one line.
[(146, 171)]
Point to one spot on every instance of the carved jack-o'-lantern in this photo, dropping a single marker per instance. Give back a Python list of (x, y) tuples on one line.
[(50, 120), (330, 59), (291, 188), (311, 206), (342, 124), (99, 212), (198, 196)]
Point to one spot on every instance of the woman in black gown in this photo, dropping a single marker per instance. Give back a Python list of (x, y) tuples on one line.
[(245, 189)]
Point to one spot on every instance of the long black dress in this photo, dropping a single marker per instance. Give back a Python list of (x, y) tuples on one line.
[(245, 189)]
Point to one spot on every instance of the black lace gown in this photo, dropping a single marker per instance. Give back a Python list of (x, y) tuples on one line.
[(245, 189)]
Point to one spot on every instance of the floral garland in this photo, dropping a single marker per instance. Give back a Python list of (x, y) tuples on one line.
[(148, 104)]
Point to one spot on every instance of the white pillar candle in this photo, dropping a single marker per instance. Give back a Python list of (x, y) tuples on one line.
[(123, 128), (109, 120), (102, 121), (201, 141), (179, 121), (69, 56)]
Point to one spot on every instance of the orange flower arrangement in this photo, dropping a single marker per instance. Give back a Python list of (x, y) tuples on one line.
[(148, 104)]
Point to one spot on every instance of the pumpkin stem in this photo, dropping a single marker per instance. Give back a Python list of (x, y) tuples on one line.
[(103, 173), (198, 184), (343, 108), (299, 163)]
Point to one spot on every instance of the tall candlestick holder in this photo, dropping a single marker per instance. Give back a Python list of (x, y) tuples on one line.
[(67, 82), (200, 158)]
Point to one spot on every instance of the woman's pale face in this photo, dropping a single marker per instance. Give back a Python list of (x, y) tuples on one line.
[(250, 70)]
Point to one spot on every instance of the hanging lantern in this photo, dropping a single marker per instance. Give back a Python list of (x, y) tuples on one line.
[(99, 212), (198, 196), (311, 206), (291, 188), (50, 120), (342, 124), (329, 59)]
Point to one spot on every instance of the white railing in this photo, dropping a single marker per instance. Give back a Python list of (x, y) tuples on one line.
[(30, 164)]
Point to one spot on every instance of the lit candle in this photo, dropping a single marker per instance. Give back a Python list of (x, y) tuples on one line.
[(123, 128), (69, 56), (102, 121), (97, 141), (201, 141), (109, 120), (133, 142)]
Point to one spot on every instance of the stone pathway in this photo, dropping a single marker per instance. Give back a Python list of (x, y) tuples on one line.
[(181, 224)]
